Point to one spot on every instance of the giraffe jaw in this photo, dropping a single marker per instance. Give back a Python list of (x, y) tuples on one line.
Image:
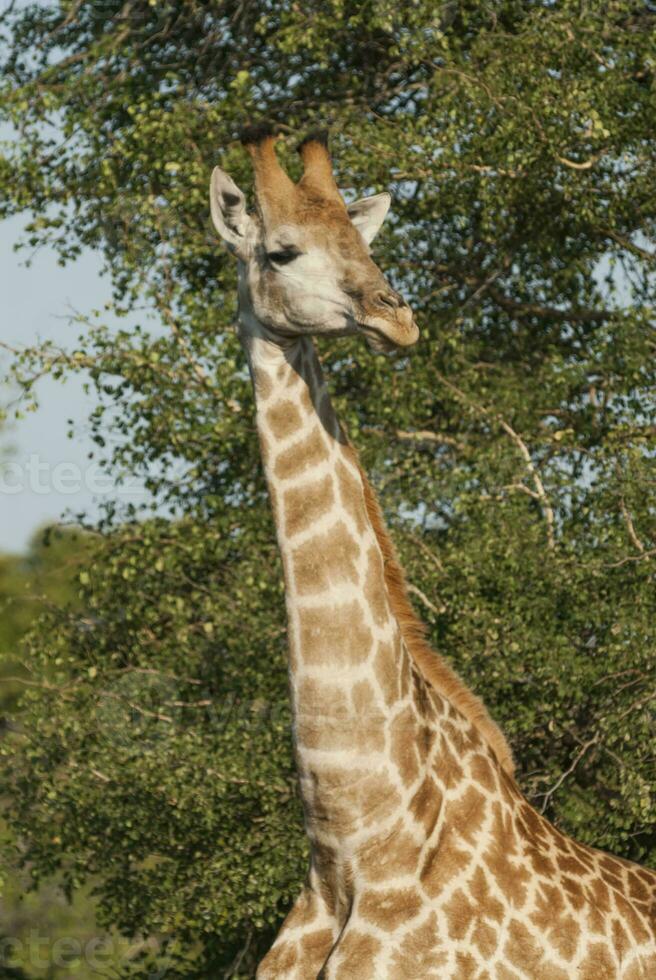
[(385, 337)]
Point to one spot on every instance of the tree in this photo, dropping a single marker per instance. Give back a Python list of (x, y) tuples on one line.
[(513, 451), (40, 931), (28, 583)]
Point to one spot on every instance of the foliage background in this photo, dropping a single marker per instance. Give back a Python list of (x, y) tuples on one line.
[(513, 451), (36, 925)]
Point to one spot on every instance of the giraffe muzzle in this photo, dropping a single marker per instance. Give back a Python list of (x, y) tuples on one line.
[(393, 331)]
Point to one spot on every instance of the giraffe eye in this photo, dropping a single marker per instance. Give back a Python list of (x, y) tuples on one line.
[(284, 256)]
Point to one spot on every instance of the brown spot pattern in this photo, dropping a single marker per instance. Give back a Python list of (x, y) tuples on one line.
[(484, 936), (374, 588), (315, 947), (404, 747), (388, 854), (325, 560), (460, 914), (467, 966), (303, 454), (351, 496), (426, 804), (388, 909), (279, 960), (500, 858), (306, 504), (443, 863), (322, 696), (505, 973), (359, 796), (524, 951), (357, 735), (354, 955), (480, 891), (418, 955), (597, 964), (468, 813), (482, 772), (284, 419), (450, 769), (387, 672), (335, 634)]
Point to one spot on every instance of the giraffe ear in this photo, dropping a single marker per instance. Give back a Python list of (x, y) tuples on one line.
[(368, 214), (228, 207)]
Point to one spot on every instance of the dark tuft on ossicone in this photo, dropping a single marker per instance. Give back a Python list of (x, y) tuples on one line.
[(252, 135), (316, 136)]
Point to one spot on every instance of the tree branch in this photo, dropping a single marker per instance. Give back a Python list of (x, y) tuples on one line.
[(540, 492), (568, 772), (587, 165), (629, 245), (415, 590), (550, 312), (628, 520), (426, 435), (643, 556)]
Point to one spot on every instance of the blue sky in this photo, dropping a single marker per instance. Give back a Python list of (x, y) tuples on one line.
[(43, 473)]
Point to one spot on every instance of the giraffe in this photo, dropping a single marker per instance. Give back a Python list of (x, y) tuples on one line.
[(426, 860)]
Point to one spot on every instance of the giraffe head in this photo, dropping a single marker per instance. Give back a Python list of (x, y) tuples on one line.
[(304, 262)]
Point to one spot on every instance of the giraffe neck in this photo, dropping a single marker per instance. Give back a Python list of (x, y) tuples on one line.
[(346, 651), (382, 753)]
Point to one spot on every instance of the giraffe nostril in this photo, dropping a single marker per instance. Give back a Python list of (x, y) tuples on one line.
[(389, 299)]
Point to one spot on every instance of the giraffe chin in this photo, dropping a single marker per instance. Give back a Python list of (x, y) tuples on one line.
[(383, 337)]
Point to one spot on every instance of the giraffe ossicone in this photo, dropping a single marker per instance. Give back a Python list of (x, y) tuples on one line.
[(427, 863)]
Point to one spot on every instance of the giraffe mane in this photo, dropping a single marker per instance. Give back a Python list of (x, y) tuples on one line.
[(432, 666)]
